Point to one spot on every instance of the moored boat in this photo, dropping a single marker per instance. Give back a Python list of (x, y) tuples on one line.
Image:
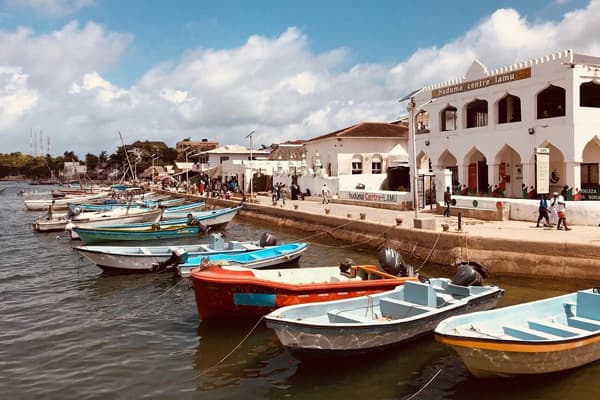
[(264, 258), (141, 259), (62, 203), (375, 322), (235, 292), (152, 232), (538, 337)]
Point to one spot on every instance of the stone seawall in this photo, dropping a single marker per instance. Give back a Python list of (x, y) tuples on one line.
[(500, 255)]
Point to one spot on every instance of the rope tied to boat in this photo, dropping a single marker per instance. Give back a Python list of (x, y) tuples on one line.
[(425, 386), (430, 252)]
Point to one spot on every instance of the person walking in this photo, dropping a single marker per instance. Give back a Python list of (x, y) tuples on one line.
[(543, 211), (326, 193), (283, 192), (561, 210), (553, 206), (447, 201)]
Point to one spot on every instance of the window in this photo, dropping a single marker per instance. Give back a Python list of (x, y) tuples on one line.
[(589, 174), (589, 94), (357, 165), (509, 109), (477, 114), (223, 158), (376, 164), (422, 121), (551, 102), (449, 119), (203, 158)]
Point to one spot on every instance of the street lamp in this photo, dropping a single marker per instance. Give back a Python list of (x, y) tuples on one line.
[(249, 136), (154, 157), (189, 153)]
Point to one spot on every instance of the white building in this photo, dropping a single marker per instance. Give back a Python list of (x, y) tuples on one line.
[(72, 170), (358, 157), (486, 127)]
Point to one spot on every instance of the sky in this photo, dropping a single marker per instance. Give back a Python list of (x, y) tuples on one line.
[(81, 71)]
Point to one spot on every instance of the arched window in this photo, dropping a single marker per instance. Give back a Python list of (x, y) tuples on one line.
[(376, 164), (422, 121), (551, 102), (448, 116), (357, 164), (589, 94), (477, 113), (509, 109)]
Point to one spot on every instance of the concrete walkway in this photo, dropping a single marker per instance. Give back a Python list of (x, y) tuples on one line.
[(512, 230)]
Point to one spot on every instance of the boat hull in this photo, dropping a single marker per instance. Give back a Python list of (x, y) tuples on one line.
[(337, 341), (135, 216), (220, 293), (60, 204), (92, 235)]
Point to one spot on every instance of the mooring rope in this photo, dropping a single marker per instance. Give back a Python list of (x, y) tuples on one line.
[(425, 386), (323, 232), (152, 301), (204, 371), (430, 253)]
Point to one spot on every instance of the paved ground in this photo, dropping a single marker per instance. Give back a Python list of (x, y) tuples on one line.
[(589, 235)]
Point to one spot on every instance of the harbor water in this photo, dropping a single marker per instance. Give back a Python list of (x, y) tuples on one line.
[(68, 331)]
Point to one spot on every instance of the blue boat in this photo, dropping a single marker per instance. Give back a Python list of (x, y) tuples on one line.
[(538, 337), (378, 321), (267, 257)]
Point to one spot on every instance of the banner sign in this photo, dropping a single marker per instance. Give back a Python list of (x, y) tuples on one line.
[(482, 83), (542, 170)]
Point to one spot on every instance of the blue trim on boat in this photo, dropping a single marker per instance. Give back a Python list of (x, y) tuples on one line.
[(254, 299)]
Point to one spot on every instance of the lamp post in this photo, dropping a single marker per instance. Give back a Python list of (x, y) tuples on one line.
[(154, 157), (249, 136), (187, 170)]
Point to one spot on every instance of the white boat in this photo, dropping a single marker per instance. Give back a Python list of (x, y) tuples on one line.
[(114, 216), (538, 337), (61, 204), (140, 259), (378, 321)]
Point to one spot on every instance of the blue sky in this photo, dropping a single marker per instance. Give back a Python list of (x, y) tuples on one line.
[(81, 70)]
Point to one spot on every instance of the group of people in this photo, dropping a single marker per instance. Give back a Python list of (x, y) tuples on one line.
[(553, 212), (280, 191)]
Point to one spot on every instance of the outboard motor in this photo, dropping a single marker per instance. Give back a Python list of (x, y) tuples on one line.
[(346, 265), (266, 239), (391, 261), (178, 256), (470, 274)]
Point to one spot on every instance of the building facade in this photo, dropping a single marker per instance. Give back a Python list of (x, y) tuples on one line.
[(486, 127)]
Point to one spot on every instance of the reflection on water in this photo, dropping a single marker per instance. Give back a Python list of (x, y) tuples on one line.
[(70, 332)]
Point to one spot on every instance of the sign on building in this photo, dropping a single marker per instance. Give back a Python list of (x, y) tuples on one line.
[(542, 170)]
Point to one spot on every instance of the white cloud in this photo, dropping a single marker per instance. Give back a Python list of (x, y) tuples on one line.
[(16, 97), (53, 8), (277, 85)]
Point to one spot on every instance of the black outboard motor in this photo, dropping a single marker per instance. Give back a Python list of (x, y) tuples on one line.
[(266, 239), (178, 256), (346, 266), (391, 261), (470, 274)]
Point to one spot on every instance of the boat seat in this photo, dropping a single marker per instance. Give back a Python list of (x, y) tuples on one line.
[(588, 305), (555, 329), (444, 299), (587, 324), (335, 316), (250, 246), (420, 293), (399, 309), (146, 251), (458, 290), (523, 333)]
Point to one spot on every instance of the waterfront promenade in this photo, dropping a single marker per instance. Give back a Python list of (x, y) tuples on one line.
[(505, 247)]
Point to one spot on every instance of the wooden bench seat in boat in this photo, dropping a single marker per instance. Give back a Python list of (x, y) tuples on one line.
[(587, 324), (523, 333), (146, 251), (555, 329), (399, 309), (588, 305), (336, 316), (458, 290), (420, 293)]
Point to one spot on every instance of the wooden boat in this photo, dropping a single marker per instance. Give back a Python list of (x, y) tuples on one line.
[(61, 204), (141, 259), (378, 321), (542, 336), (236, 292), (160, 230), (2, 189), (263, 258)]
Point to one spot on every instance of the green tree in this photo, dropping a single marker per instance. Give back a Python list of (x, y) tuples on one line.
[(91, 161)]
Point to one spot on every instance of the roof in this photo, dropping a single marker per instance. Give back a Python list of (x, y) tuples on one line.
[(287, 152), (397, 129), (234, 149)]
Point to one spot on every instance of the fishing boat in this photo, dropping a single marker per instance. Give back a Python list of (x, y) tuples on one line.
[(141, 259), (61, 204), (378, 321), (152, 232), (538, 337), (263, 258), (238, 292), (203, 219), (101, 218), (2, 189)]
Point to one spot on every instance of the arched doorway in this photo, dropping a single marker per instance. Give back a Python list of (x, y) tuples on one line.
[(558, 172), (590, 182), (507, 162), (448, 161), (477, 178)]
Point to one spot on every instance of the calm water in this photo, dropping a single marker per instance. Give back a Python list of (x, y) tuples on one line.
[(67, 331)]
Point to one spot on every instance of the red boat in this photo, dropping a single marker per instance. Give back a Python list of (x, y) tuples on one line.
[(228, 292)]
